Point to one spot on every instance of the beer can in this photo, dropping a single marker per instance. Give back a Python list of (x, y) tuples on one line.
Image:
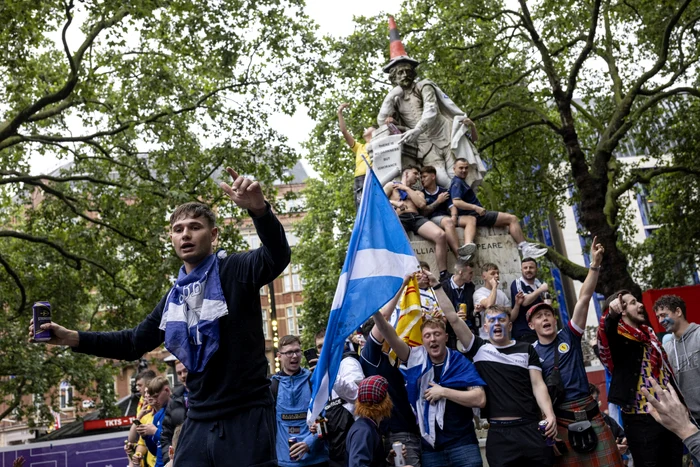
[(292, 441), (463, 308), (41, 312), (543, 428), (399, 461)]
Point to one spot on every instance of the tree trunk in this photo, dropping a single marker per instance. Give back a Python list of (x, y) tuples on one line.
[(592, 189)]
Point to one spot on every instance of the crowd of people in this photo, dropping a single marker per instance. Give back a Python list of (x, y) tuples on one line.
[(484, 360)]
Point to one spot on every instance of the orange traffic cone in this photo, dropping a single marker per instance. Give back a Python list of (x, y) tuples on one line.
[(397, 52)]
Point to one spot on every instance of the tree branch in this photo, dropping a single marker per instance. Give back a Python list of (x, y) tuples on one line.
[(10, 127), (153, 118), (16, 400), (20, 286), (515, 131), (568, 267), (663, 54), (573, 75), (631, 120), (588, 116), (645, 176), (507, 85), (77, 259)]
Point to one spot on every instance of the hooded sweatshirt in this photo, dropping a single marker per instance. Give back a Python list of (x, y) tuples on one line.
[(684, 354), (293, 396)]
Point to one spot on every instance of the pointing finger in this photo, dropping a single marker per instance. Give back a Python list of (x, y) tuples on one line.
[(232, 173)]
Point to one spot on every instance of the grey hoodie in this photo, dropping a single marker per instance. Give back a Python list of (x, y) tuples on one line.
[(684, 354)]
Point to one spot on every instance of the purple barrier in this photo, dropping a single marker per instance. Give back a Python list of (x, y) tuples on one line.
[(86, 451)]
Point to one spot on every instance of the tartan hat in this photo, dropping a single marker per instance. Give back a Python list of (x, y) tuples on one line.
[(535, 308), (372, 390)]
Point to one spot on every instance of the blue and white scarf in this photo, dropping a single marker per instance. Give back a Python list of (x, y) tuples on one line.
[(458, 373), (191, 314)]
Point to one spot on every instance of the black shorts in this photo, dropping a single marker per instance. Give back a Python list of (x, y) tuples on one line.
[(358, 187), (517, 443), (412, 221), (487, 220)]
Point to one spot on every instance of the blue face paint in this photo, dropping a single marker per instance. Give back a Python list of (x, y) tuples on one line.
[(667, 323), (493, 320)]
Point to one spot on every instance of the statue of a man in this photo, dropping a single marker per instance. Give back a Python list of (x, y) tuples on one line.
[(431, 121)]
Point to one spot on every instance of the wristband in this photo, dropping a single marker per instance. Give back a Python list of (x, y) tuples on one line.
[(595, 268), (437, 287)]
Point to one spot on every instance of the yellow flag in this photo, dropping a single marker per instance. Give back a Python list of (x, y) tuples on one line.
[(410, 316)]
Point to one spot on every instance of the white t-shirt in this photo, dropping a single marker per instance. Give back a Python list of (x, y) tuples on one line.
[(501, 300)]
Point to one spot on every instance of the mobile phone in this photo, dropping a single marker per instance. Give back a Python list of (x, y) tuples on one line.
[(310, 354), (137, 422)]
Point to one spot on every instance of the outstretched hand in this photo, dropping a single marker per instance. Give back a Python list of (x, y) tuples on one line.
[(59, 334), (245, 193), (668, 410)]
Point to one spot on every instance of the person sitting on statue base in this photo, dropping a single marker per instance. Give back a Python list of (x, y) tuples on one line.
[(407, 202)]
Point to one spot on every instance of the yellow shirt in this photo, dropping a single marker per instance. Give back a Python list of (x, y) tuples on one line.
[(150, 458), (360, 166)]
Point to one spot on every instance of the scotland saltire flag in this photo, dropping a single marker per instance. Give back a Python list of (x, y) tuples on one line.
[(379, 257), (191, 314)]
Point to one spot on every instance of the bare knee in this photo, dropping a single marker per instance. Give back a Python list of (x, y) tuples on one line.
[(447, 223)]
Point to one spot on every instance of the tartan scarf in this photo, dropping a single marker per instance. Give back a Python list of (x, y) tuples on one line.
[(643, 334)]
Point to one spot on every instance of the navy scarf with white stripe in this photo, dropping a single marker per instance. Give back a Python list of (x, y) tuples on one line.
[(191, 314)]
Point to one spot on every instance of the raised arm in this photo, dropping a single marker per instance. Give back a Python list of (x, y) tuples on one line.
[(262, 265), (491, 299), (389, 333), (580, 315), (517, 307), (343, 129), (462, 331), (388, 309)]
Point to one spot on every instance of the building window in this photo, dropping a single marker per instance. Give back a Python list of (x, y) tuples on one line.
[(266, 331), (296, 278), (287, 279), (263, 290), (293, 316), (292, 279), (253, 241), (66, 395)]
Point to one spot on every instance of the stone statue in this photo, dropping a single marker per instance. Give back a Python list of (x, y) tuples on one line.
[(430, 120)]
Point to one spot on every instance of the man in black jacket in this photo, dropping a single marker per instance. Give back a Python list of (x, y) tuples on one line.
[(631, 352), (229, 391), (176, 412)]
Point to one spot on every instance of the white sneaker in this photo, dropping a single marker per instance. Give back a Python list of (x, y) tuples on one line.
[(530, 250), (467, 249)]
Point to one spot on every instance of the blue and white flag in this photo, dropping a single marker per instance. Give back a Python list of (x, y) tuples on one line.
[(379, 257), (191, 314)]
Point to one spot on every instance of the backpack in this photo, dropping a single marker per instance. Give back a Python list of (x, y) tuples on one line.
[(339, 423)]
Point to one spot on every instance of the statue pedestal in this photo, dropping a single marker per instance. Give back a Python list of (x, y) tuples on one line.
[(493, 245)]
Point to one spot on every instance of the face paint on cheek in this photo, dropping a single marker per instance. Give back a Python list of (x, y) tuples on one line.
[(667, 323), (493, 320)]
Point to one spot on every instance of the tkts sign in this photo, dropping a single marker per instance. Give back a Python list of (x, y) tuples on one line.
[(107, 423)]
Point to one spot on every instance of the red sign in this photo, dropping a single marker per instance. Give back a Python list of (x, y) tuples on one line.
[(107, 423)]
